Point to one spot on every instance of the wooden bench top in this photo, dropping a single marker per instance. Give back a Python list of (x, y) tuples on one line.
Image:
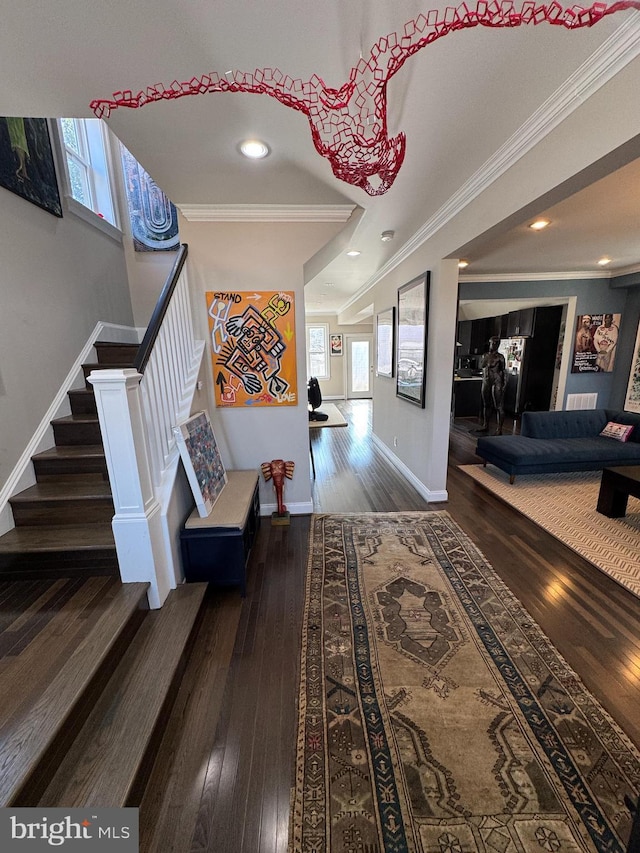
[(232, 506)]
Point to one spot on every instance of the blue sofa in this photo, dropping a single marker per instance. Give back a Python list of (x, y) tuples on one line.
[(562, 441)]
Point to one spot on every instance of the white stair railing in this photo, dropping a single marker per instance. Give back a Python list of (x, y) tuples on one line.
[(138, 409)]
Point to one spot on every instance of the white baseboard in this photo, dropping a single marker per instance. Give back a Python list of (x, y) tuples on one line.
[(22, 475), (298, 508), (407, 473)]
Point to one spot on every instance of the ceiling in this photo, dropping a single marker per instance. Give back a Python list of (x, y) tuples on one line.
[(481, 85)]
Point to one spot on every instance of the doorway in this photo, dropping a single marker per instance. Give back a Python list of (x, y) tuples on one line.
[(359, 366)]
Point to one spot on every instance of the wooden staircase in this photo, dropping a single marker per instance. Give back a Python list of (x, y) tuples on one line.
[(87, 729), (63, 522)]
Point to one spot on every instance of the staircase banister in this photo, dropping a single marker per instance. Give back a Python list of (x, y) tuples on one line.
[(153, 329)]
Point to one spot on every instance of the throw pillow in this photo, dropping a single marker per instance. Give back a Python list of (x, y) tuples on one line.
[(620, 432)]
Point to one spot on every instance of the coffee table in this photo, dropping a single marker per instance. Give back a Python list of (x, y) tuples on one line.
[(615, 487)]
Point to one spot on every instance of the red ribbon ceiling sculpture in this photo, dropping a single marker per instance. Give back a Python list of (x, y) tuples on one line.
[(349, 124)]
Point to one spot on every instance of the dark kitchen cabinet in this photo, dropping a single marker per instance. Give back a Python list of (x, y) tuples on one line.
[(521, 323)]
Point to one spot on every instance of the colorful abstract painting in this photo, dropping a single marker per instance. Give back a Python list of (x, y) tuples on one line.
[(253, 348), (202, 461)]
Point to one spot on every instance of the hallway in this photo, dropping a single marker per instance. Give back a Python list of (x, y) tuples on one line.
[(228, 767)]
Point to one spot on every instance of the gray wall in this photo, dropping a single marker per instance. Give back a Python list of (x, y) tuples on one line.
[(593, 296), (58, 279)]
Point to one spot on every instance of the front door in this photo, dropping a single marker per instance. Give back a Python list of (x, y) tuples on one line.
[(359, 366)]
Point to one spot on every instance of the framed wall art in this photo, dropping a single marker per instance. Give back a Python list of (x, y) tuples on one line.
[(253, 348), (385, 339), (335, 344), (411, 348), (632, 400), (595, 343), (26, 162), (202, 461)]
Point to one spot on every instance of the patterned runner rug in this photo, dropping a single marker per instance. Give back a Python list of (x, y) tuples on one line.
[(434, 714), (565, 506)]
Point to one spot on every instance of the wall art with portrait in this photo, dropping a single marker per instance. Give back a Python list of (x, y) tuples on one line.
[(26, 162), (411, 348), (385, 339), (632, 401), (595, 343), (335, 344)]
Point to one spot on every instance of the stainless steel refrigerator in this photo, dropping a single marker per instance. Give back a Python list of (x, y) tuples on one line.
[(515, 354)]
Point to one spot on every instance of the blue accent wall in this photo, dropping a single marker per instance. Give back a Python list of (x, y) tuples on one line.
[(594, 296)]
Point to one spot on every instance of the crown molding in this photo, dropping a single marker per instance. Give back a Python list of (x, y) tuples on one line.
[(535, 276), (608, 275), (266, 212), (614, 54)]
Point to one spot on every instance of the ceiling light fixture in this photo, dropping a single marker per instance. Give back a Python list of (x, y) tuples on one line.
[(462, 264), (353, 253), (539, 224), (254, 149), (604, 261), (387, 235)]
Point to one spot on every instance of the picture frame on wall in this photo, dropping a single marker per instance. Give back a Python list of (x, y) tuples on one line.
[(632, 400), (385, 339), (335, 344), (202, 461), (411, 345), (27, 167)]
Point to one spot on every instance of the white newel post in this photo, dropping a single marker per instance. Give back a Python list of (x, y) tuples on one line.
[(137, 522)]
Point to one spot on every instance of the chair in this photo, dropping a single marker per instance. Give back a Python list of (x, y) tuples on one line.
[(314, 397)]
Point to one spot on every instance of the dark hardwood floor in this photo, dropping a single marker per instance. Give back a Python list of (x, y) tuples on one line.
[(238, 801), (223, 779)]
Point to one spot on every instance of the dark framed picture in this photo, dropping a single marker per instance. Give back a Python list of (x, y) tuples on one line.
[(335, 344), (632, 400), (26, 162), (385, 339), (411, 349)]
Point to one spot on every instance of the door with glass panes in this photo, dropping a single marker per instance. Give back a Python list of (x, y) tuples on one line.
[(359, 366)]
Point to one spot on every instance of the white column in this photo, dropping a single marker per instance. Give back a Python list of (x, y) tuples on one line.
[(136, 524)]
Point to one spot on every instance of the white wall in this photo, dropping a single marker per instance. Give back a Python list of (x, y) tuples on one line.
[(335, 387), (58, 278), (599, 125), (264, 257)]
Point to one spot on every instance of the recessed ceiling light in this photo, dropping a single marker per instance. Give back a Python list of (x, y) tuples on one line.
[(604, 261), (462, 264), (353, 253), (539, 224), (255, 149)]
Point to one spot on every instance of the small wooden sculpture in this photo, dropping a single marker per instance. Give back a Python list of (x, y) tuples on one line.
[(277, 470)]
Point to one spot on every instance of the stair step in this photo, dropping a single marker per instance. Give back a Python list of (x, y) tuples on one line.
[(109, 761), (63, 503), (83, 401), (75, 462), (33, 739), (58, 551), (114, 353), (77, 429)]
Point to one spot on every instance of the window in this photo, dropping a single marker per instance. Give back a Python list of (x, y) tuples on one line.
[(86, 152), (318, 350)]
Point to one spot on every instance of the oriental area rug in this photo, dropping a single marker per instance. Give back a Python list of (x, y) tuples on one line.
[(434, 714), (565, 506)]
